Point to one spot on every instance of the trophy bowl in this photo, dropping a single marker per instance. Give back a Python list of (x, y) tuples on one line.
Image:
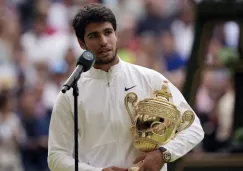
[(156, 120)]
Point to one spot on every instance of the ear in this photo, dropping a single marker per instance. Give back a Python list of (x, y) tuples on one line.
[(82, 45), (116, 35)]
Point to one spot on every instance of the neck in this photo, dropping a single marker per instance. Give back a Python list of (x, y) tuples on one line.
[(106, 67)]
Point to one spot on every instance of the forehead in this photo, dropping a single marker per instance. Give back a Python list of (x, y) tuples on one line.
[(97, 27)]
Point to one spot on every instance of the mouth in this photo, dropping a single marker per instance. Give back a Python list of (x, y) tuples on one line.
[(103, 51)]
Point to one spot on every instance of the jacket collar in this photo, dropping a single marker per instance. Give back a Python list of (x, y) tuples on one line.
[(98, 73)]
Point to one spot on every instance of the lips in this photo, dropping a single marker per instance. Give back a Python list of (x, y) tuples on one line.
[(104, 50)]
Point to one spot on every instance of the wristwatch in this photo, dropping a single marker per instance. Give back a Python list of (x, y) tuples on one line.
[(166, 155)]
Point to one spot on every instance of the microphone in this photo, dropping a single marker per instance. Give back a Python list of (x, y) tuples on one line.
[(84, 63)]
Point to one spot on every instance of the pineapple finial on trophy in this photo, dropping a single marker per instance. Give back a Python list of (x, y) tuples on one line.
[(163, 92)]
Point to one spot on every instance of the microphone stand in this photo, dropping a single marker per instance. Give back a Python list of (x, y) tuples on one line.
[(84, 63), (75, 96), (74, 85)]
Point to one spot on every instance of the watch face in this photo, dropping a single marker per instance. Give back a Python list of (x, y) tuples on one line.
[(167, 156)]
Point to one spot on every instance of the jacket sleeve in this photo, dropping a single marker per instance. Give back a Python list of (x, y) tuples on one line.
[(61, 139), (187, 139)]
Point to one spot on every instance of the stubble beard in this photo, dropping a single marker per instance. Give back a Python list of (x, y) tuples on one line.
[(105, 62)]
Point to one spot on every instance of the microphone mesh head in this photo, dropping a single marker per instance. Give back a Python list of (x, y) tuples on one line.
[(86, 60)]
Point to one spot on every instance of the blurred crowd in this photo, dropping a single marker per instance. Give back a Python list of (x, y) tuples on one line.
[(38, 51)]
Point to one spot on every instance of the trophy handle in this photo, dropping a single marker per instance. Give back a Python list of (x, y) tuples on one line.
[(186, 121), (131, 98)]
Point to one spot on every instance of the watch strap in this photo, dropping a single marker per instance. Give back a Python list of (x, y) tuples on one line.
[(166, 155)]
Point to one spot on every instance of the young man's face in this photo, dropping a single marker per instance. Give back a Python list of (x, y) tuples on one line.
[(100, 39)]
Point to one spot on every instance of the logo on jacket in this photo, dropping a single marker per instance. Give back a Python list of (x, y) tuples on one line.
[(126, 89)]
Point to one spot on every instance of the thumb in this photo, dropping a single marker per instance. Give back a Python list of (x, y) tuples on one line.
[(140, 158), (118, 169)]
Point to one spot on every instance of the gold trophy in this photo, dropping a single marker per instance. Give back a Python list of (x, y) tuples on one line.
[(156, 120)]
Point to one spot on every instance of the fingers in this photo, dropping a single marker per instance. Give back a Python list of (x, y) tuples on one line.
[(142, 167), (107, 169), (114, 168), (140, 158), (118, 169)]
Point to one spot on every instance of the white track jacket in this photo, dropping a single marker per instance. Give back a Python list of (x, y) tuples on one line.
[(104, 124)]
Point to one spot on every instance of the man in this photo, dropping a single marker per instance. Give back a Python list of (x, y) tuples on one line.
[(105, 141)]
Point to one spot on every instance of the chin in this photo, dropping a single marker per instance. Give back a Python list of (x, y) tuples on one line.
[(105, 60)]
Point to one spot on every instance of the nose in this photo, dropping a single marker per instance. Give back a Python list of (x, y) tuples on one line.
[(103, 40)]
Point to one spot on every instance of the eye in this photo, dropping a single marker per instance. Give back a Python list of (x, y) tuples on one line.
[(108, 32), (93, 36)]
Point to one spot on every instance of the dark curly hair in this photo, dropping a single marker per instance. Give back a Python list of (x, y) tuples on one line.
[(90, 13)]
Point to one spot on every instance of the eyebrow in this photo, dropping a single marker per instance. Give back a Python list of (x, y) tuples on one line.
[(95, 32), (108, 29)]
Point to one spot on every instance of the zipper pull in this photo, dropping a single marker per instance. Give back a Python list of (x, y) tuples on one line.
[(108, 84)]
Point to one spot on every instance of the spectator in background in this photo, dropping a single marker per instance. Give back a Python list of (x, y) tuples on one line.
[(172, 60), (41, 110), (213, 49), (70, 60), (154, 19), (231, 31), (9, 35), (43, 44), (57, 73), (26, 73), (35, 40), (62, 11), (147, 54), (26, 10), (11, 134), (183, 30), (126, 8), (209, 95), (225, 109), (34, 151)]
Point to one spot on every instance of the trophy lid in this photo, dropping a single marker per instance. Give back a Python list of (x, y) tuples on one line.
[(160, 105), (162, 96)]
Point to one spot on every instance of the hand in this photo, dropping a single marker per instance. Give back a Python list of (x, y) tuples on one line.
[(151, 161), (113, 168)]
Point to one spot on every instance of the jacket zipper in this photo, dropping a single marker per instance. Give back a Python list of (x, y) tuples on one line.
[(112, 100), (108, 79)]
